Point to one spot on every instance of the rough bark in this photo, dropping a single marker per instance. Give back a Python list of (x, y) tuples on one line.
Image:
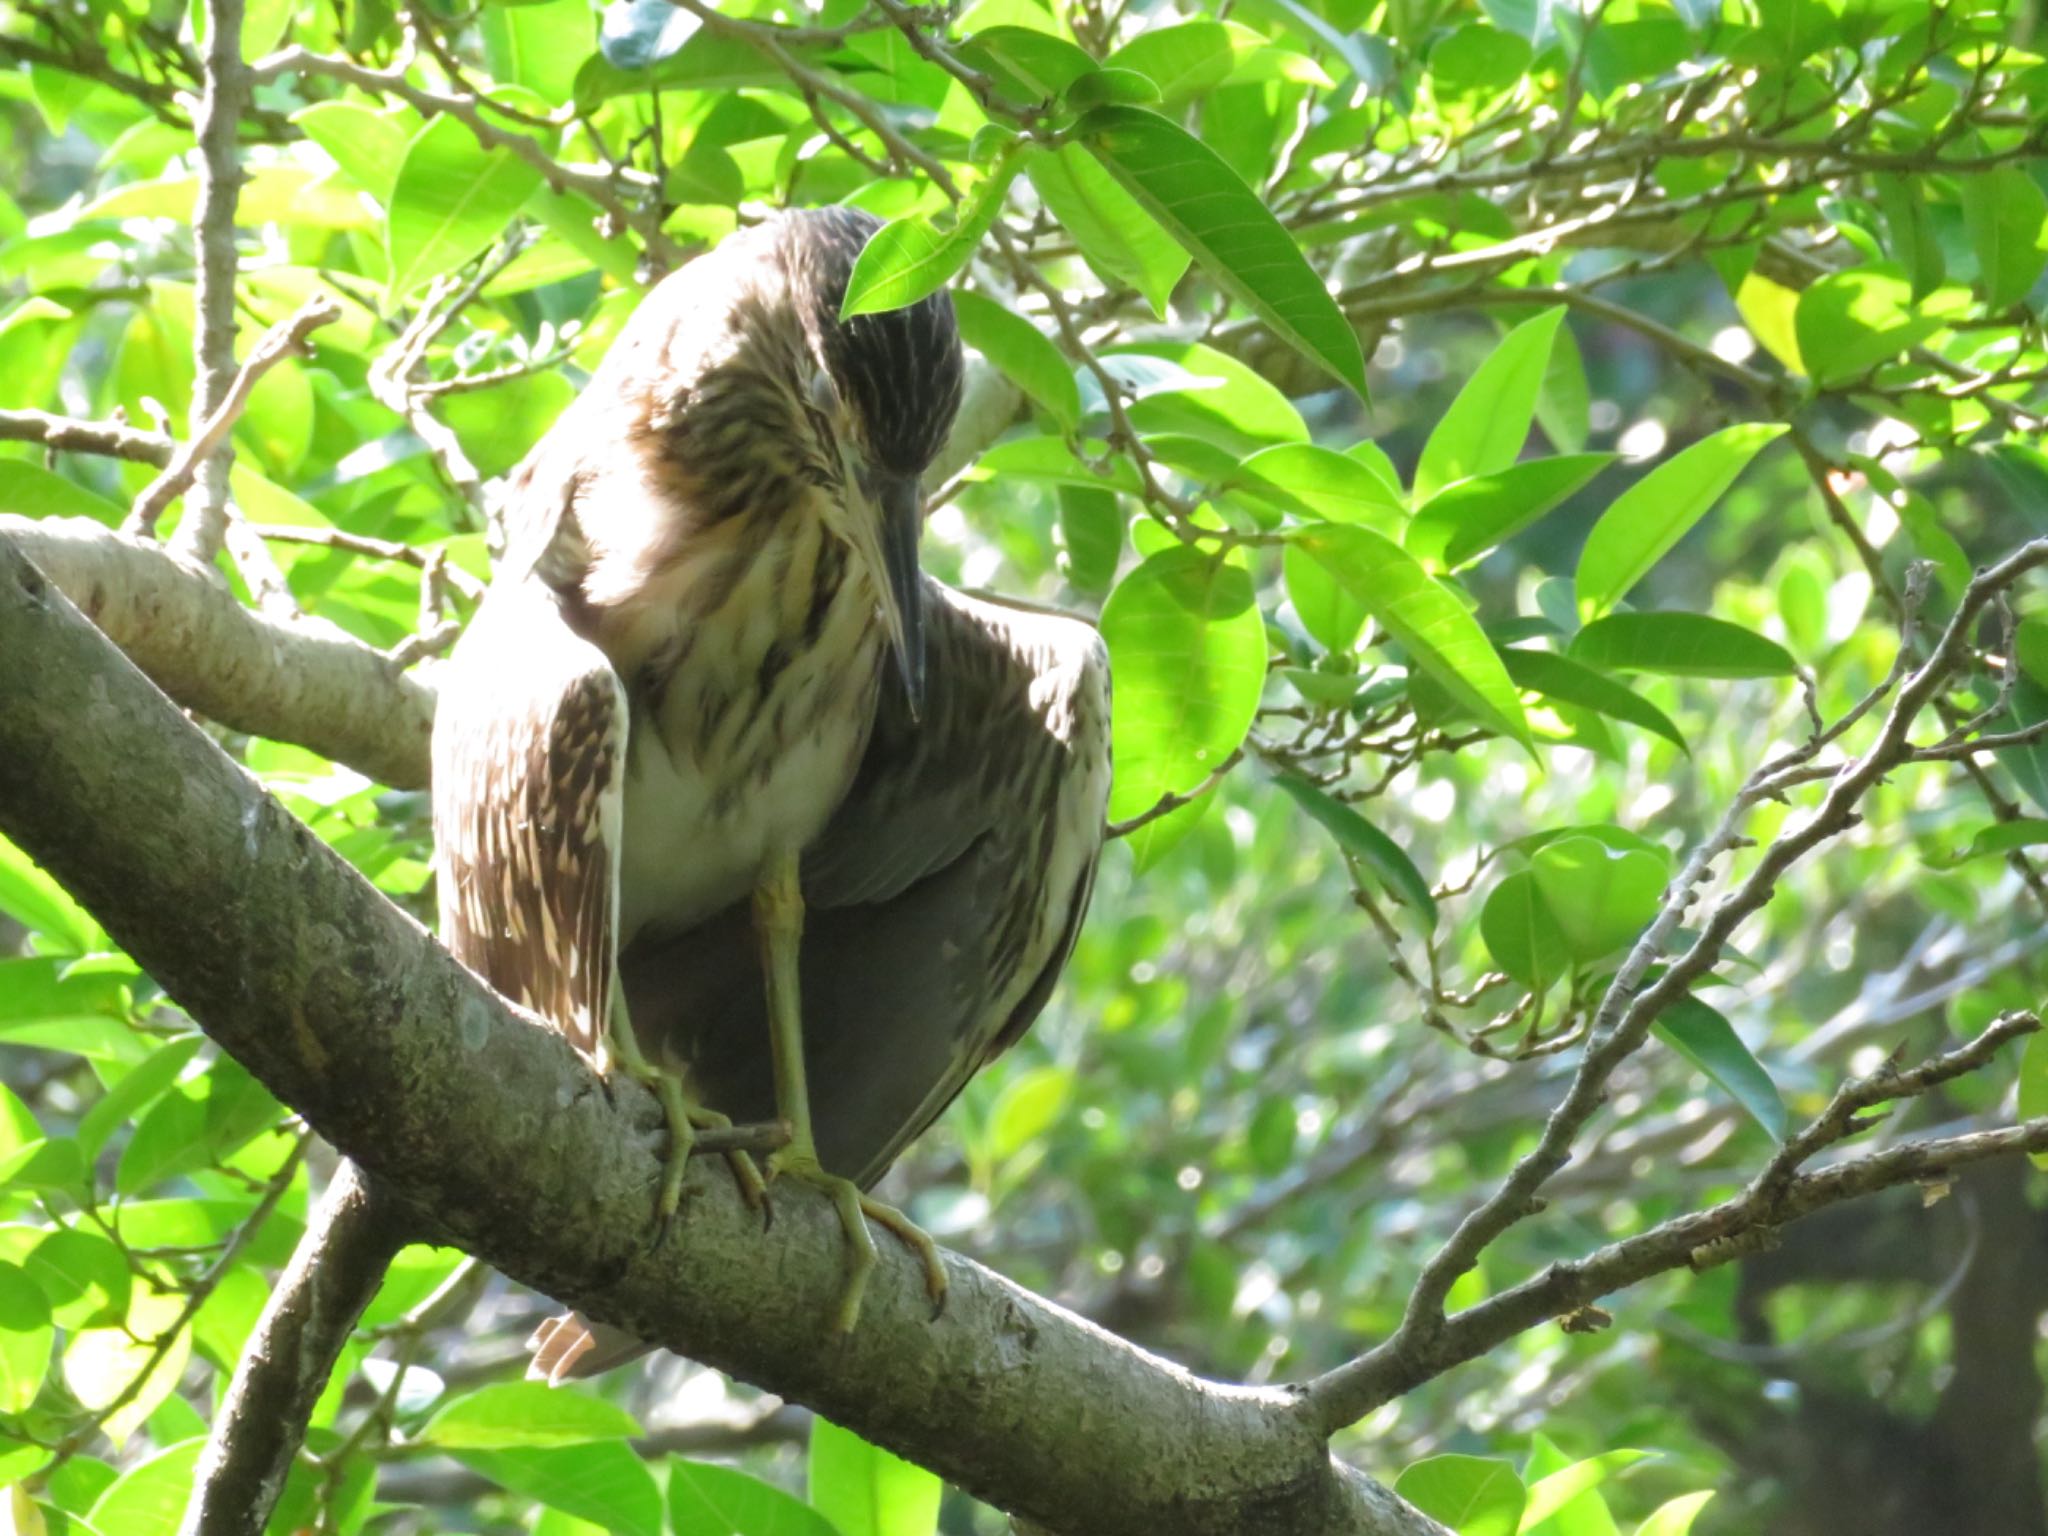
[(492, 1129), (303, 681), (333, 1275)]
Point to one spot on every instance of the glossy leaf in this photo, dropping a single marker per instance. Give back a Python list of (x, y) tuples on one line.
[(526, 1413), (1704, 1037), (1188, 650), (1679, 645), (1430, 624), (1675, 1516), (1521, 932), (1023, 354), (1321, 483), (864, 1491), (1463, 521), (1849, 322), (1366, 843), (1487, 424), (1601, 897), (907, 259), (1118, 237), (705, 1499), (603, 1482), (450, 199), (2006, 215), (1562, 678), (1473, 1495), (1652, 515), (1220, 221)]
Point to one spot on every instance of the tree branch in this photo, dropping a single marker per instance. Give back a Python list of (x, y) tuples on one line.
[(302, 681), (67, 434), (261, 1422), (494, 1132)]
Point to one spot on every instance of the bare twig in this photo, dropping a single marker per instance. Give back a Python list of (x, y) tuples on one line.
[(67, 434), (279, 343)]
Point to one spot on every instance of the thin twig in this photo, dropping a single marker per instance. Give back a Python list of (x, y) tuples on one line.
[(279, 343)]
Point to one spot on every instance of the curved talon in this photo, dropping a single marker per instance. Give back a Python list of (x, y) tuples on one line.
[(855, 1210)]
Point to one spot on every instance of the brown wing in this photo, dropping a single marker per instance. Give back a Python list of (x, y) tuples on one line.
[(529, 738), (942, 899)]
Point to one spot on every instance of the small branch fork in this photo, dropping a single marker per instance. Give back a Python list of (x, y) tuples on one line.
[(1702, 1239), (281, 341), (1426, 1340)]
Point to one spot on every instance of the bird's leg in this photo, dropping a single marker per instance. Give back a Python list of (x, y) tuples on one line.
[(685, 1119), (779, 924)]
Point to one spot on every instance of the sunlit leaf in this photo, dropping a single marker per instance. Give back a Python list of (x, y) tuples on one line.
[(1652, 515), (865, 1491), (1487, 424), (1224, 226)]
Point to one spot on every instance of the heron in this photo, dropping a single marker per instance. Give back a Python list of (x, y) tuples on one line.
[(710, 697)]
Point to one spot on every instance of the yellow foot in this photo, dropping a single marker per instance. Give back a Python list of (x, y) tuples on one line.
[(685, 1122), (855, 1211)]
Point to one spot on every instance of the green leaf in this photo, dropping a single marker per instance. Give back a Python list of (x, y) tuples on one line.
[(1180, 60), (1366, 843), (101, 1364), (2033, 1101), (26, 1335), (516, 1413), (1652, 515), (83, 1276), (1601, 897), (1999, 838), (1111, 87), (1326, 609), (1028, 66), (36, 901), (29, 490), (1188, 650), (709, 1500), (1521, 933), (140, 1086), (1027, 1108), (1771, 312), (1487, 424), (1203, 393), (1430, 624), (1188, 188), (865, 1491), (1551, 1493), (149, 1498), (1850, 321), (1561, 678), (1118, 238), (2007, 217), (1675, 1517), (1463, 521), (907, 259), (1023, 353), (605, 1482), (196, 1124), (450, 200), (1679, 645), (538, 46), (1473, 1495), (1705, 1038), (1091, 526), (1321, 483)]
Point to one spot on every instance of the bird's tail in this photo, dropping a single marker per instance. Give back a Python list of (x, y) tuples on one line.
[(571, 1347)]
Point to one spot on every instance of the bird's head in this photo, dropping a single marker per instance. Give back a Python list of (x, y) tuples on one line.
[(885, 388)]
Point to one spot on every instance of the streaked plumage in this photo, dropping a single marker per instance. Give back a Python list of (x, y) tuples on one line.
[(684, 664)]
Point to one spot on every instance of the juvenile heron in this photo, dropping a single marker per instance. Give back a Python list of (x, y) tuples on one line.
[(710, 691)]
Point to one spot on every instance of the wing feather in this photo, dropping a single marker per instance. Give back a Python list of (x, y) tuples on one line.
[(529, 742)]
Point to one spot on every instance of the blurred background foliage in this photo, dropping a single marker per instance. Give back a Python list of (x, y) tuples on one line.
[(1302, 1031)]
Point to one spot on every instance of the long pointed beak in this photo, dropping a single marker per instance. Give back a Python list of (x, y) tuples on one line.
[(899, 506)]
